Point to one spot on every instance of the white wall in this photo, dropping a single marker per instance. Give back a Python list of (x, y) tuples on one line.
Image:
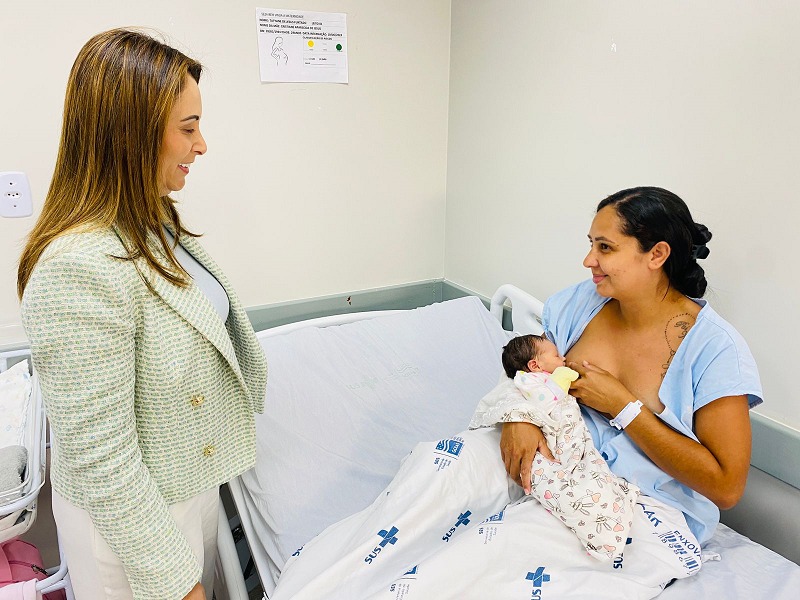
[(700, 97), (319, 189), (307, 189)]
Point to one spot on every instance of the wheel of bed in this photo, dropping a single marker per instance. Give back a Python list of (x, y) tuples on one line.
[(346, 403)]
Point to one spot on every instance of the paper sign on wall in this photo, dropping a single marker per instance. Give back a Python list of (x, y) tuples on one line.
[(299, 46)]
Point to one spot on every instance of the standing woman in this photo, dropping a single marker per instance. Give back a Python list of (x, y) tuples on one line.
[(149, 367)]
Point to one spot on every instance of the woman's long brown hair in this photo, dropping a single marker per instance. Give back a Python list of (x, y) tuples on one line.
[(121, 90)]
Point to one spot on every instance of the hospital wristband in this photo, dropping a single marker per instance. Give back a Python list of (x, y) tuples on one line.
[(627, 414)]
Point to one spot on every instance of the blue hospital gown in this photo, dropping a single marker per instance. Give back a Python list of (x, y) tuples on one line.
[(713, 361)]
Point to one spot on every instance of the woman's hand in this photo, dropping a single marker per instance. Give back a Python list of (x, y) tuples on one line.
[(599, 389), (519, 444), (197, 593)]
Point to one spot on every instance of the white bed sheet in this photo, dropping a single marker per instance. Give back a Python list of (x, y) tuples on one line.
[(345, 404), (745, 570)]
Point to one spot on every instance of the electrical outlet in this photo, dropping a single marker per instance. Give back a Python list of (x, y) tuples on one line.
[(15, 195)]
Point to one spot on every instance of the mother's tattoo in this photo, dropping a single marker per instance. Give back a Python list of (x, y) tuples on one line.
[(681, 323)]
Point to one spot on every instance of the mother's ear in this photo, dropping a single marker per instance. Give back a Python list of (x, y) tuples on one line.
[(659, 255)]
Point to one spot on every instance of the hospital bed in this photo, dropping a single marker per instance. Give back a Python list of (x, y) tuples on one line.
[(25, 424), (349, 395)]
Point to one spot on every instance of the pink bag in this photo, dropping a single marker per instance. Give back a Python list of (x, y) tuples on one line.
[(21, 561)]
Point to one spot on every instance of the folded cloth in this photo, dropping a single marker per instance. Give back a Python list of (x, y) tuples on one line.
[(24, 590), (15, 392), (12, 467)]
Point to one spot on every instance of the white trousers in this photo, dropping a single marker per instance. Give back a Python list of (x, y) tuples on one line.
[(95, 571)]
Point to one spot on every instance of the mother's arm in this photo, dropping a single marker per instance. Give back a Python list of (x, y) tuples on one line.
[(716, 466), (519, 443)]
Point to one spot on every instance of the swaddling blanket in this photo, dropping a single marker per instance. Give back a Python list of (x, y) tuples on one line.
[(580, 489), (451, 524)]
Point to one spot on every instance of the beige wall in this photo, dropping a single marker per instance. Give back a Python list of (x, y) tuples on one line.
[(699, 97), (307, 189)]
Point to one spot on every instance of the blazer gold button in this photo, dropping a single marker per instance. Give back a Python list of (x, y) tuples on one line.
[(197, 400), (209, 450)]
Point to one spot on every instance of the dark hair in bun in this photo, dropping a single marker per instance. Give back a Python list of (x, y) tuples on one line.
[(653, 215)]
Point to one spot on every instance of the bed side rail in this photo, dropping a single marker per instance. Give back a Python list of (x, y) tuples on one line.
[(526, 310)]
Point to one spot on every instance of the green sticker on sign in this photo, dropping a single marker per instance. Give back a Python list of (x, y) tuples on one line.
[(339, 47)]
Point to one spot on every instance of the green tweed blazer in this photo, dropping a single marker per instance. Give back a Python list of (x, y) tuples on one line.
[(151, 396)]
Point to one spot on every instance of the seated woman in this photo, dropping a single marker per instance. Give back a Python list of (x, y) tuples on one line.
[(649, 351), (665, 385)]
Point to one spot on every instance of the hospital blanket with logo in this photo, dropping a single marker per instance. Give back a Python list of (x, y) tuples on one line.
[(451, 524)]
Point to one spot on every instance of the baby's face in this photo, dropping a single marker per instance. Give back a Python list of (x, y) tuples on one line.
[(548, 358)]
